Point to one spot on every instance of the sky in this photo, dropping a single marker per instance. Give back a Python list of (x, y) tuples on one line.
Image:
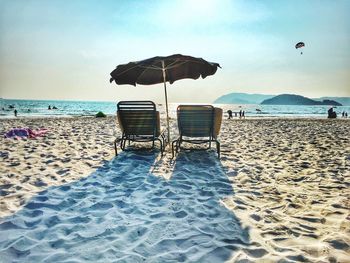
[(66, 49)]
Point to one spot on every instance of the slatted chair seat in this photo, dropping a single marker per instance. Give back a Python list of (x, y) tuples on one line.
[(139, 121), (198, 124)]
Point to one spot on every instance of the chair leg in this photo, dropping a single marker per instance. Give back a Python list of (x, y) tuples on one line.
[(121, 143), (115, 147), (172, 148), (218, 148), (124, 142), (178, 145)]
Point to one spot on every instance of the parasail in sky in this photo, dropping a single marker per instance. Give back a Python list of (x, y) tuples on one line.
[(300, 45)]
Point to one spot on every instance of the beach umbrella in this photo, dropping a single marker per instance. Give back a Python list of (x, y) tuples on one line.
[(161, 70)]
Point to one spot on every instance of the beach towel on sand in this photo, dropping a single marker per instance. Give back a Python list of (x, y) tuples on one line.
[(25, 132)]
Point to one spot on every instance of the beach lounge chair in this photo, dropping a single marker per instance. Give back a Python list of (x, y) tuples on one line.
[(139, 121), (198, 124)]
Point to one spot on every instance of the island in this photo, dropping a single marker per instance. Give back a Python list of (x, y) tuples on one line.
[(242, 98), (292, 99)]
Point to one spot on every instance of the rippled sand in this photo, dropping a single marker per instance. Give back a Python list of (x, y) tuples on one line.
[(280, 192), (291, 181)]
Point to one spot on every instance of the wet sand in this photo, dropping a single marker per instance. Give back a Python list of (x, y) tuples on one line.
[(279, 192)]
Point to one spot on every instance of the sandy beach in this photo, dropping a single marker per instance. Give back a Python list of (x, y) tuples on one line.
[(279, 193)]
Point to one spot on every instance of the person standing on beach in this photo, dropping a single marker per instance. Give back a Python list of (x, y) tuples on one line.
[(243, 116), (229, 114), (240, 114), (15, 112)]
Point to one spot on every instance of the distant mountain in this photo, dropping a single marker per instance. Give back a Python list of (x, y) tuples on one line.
[(246, 98), (292, 99), (345, 101), (242, 98)]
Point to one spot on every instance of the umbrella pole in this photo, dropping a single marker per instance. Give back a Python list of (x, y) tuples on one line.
[(166, 102)]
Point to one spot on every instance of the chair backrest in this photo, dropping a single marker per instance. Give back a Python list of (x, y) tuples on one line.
[(195, 120), (217, 121), (137, 117)]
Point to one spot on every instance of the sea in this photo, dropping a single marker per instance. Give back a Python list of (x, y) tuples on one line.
[(40, 108)]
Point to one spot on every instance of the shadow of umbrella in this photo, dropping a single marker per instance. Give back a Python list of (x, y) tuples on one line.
[(161, 70)]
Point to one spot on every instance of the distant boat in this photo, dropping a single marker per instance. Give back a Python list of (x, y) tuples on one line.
[(258, 110)]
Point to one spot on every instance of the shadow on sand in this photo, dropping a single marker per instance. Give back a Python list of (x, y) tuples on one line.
[(123, 212)]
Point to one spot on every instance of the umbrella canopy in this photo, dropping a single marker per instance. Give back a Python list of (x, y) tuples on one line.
[(150, 71), (161, 70)]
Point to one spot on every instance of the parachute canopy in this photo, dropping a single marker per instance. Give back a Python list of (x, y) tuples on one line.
[(299, 45)]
